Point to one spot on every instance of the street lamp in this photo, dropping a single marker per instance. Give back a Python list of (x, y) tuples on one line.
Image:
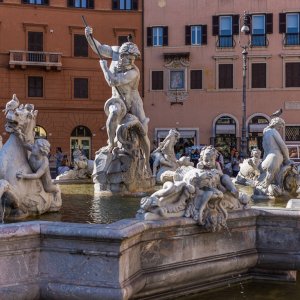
[(245, 30)]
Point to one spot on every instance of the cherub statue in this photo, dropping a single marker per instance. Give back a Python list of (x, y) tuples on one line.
[(250, 169), (39, 163)]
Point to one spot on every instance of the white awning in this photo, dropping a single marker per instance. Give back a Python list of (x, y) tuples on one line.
[(257, 127), (161, 134), (225, 129)]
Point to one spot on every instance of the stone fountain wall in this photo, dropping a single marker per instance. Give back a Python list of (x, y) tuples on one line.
[(133, 259)]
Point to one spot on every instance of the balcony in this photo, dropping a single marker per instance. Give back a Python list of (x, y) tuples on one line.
[(291, 39), (259, 40), (225, 41), (35, 58)]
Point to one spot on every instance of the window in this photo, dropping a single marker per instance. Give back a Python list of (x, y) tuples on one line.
[(81, 90), (225, 27), (196, 79), (35, 44), (35, 86), (125, 4), (258, 76), (157, 36), (196, 35), (40, 132), (177, 80), (258, 30), (292, 133), (38, 2), (35, 41), (225, 76), (157, 80), (289, 24), (80, 45), (261, 25), (122, 39), (81, 3), (292, 74)]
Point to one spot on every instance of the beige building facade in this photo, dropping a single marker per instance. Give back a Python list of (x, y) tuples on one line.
[(193, 69)]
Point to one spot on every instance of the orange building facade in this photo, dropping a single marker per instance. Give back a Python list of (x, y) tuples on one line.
[(193, 69), (45, 60)]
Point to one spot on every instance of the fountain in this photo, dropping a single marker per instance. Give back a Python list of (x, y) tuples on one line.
[(177, 245)]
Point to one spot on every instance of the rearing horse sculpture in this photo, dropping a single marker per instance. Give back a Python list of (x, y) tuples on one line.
[(20, 198)]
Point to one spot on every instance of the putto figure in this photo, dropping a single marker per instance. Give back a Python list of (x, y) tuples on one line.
[(278, 175), (250, 169), (123, 165)]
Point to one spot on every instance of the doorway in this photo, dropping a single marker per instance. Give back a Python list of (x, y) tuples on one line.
[(81, 138)]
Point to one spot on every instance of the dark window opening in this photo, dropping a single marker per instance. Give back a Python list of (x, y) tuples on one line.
[(81, 88), (196, 79), (292, 74), (225, 76), (35, 86), (157, 80), (80, 45), (259, 74)]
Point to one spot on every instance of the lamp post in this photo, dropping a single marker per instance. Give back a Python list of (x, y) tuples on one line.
[(245, 30)]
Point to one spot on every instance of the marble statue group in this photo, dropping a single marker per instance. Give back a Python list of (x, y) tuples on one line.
[(203, 193), (123, 165), (26, 187)]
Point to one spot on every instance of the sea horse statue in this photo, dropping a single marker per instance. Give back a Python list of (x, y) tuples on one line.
[(25, 183)]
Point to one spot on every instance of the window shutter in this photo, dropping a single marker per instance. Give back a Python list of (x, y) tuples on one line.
[(70, 3), (204, 34), (115, 4), (196, 79), (165, 36), (149, 37), (35, 41), (157, 80), (225, 76), (235, 24), (269, 23), (215, 25), (91, 4), (258, 75), (282, 22), (80, 45), (135, 4), (187, 35)]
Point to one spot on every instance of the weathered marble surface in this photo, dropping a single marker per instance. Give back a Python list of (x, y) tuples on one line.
[(163, 156), (25, 182), (123, 165), (133, 259), (83, 168), (204, 194), (278, 175), (250, 169)]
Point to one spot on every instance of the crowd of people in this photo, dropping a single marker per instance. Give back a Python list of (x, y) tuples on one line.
[(229, 165)]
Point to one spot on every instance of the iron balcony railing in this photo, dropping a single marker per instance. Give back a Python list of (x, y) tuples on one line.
[(35, 58), (259, 40), (225, 41), (291, 39)]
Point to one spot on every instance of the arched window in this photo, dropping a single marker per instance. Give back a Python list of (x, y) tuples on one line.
[(40, 132), (255, 128), (225, 135)]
